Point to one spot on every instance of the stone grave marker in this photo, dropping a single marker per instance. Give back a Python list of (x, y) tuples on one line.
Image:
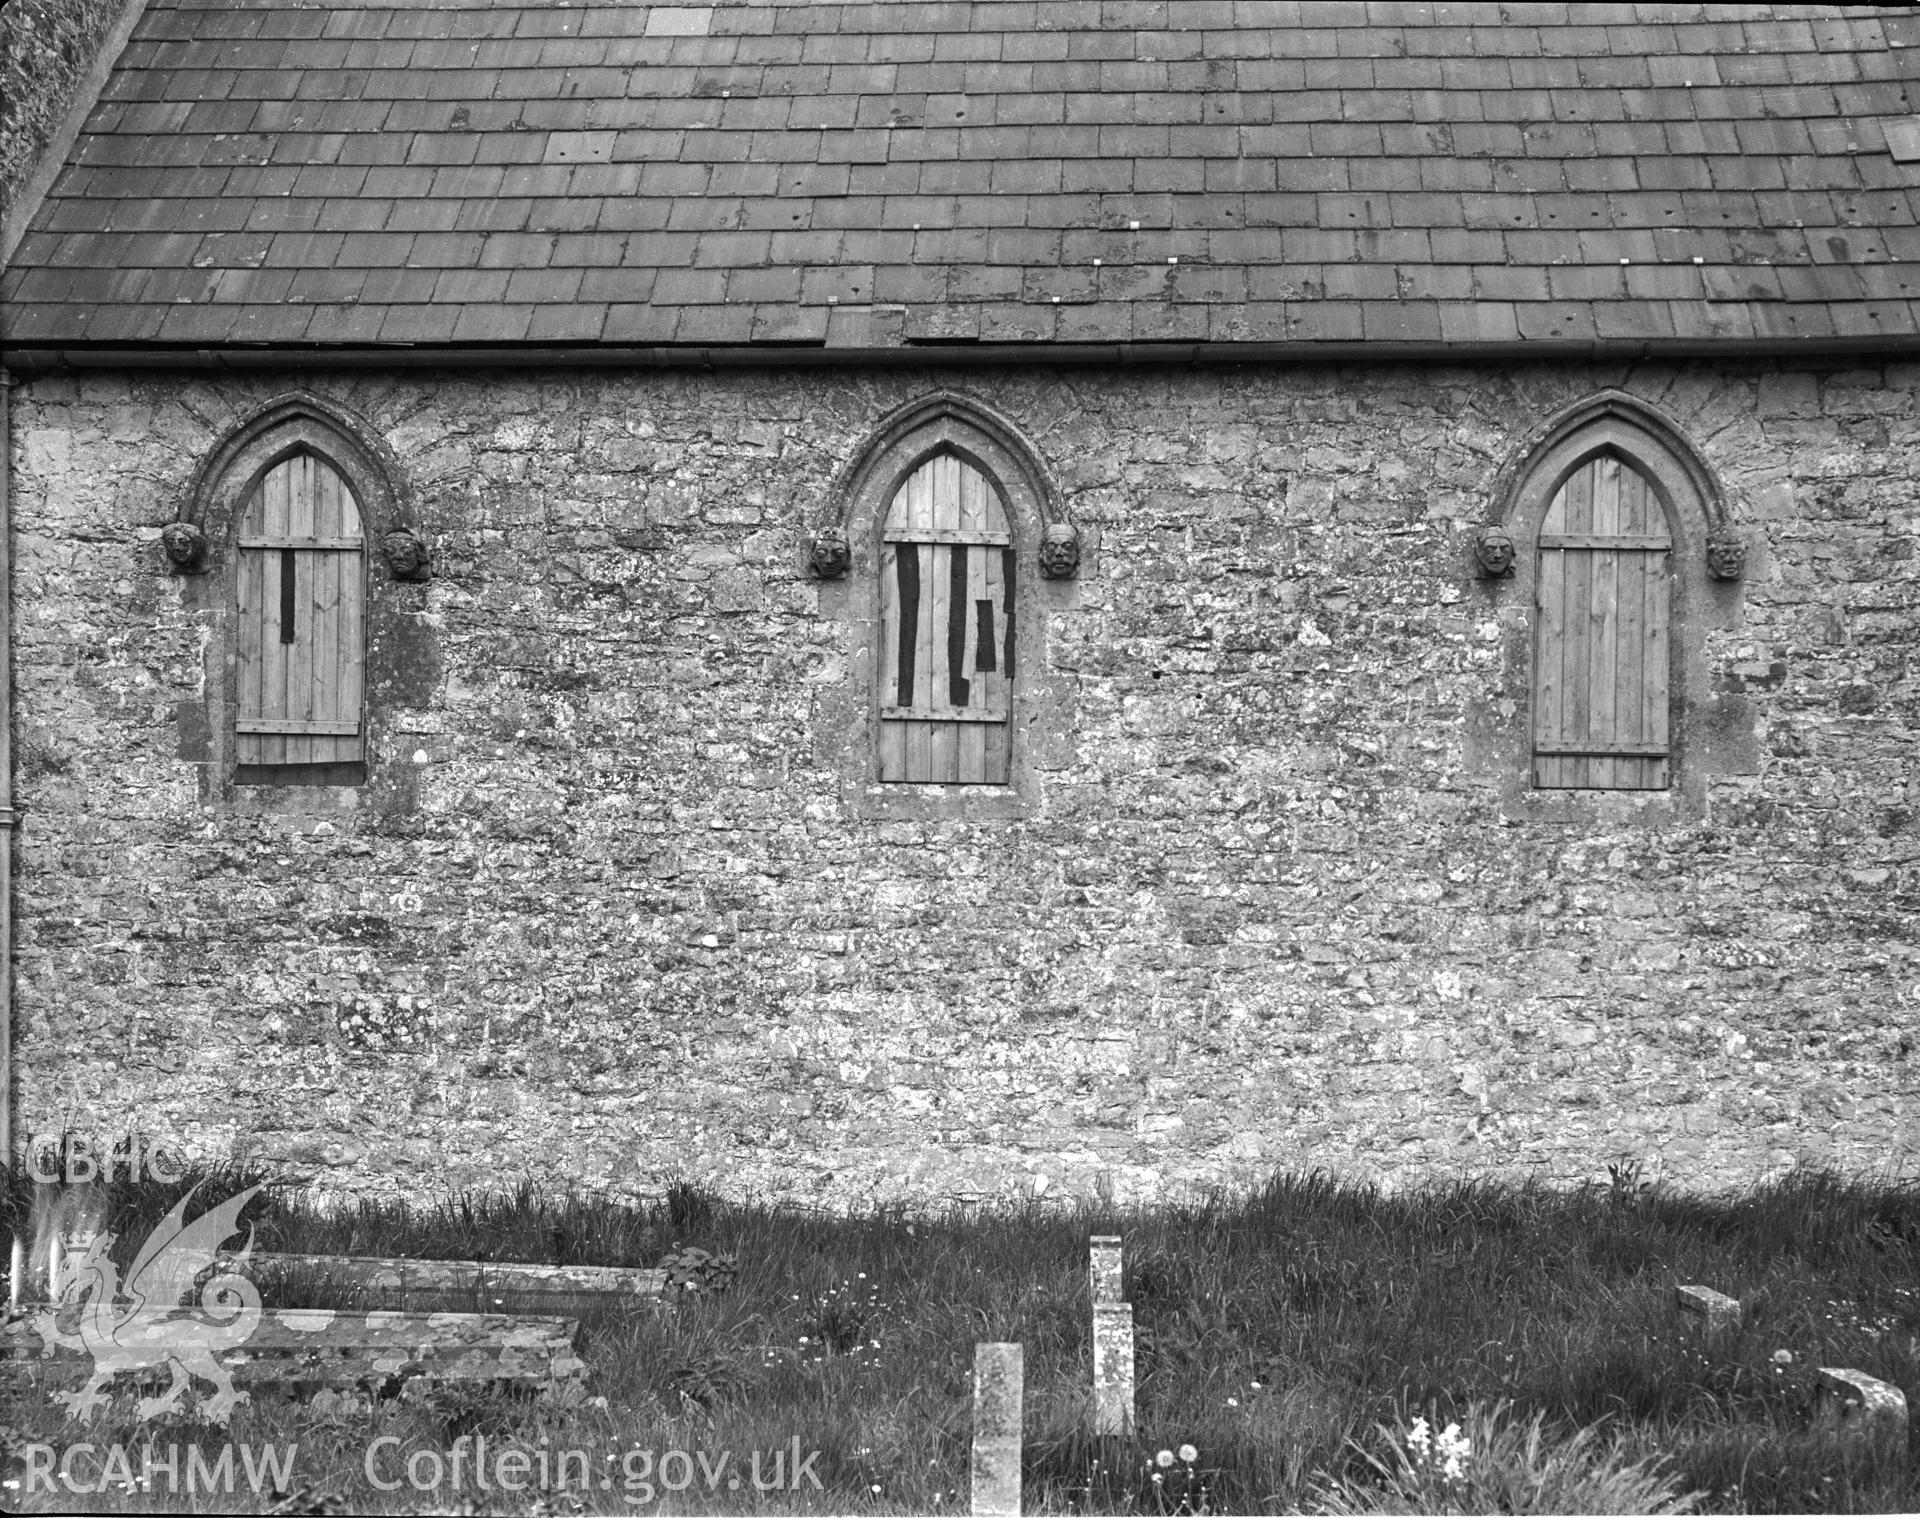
[(1112, 1340), (1104, 1266), (998, 1384), (1865, 1409), (1714, 1310)]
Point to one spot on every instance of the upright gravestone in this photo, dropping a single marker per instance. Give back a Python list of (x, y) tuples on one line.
[(998, 1382), (1112, 1340)]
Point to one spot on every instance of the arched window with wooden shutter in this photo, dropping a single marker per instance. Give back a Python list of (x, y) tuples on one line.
[(947, 567), (300, 635), (1602, 661)]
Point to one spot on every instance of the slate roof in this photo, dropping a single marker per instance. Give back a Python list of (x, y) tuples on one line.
[(1034, 172)]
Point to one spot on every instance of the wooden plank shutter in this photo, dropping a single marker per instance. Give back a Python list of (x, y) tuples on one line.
[(1600, 681), (301, 636), (946, 618)]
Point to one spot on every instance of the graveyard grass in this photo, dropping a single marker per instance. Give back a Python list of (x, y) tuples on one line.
[(1290, 1339)]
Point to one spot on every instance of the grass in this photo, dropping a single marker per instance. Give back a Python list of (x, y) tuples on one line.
[(1290, 1337)]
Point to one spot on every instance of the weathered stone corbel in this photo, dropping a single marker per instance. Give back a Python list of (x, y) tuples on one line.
[(1060, 552), (832, 555), (1727, 555), (406, 555), (1493, 551), (185, 545)]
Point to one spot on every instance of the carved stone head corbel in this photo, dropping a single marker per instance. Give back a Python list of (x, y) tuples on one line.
[(832, 555), (1060, 552), (185, 546), (1493, 551), (406, 555), (1727, 555)]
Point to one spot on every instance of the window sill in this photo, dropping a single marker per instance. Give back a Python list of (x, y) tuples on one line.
[(348, 773), (909, 801), (1604, 808)]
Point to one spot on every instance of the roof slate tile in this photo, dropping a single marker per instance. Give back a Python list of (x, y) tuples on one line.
[(714, 324), (580, 321), (419, 324), (603, 287), (467, 286), (493, 323), (1364, 282), (196, 323), (1324, 321), (954, 322), (390, 286), (284, 215), (426, 215), (518, 251), (1646, 320), (326, 286), (131, 323), (787, 324)]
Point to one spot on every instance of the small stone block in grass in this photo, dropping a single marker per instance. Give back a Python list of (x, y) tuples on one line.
[(1864, 1407), (1713, 1309), (999, 1379), (1103, 1250)]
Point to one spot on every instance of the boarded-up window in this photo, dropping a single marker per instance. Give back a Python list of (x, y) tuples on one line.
[(1600, 681), (301, 632), (947, 606)]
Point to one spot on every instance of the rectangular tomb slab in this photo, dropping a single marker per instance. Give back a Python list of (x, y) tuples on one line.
[(470, 1285), (1104, 1264), (320, 1347)]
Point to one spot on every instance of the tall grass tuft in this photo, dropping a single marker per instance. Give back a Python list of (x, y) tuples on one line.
[(1499, 1463)]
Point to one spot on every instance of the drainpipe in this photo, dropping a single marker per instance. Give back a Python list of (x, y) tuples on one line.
[(7, 815)]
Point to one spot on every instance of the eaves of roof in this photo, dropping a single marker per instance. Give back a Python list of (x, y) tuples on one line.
[(29, 361)]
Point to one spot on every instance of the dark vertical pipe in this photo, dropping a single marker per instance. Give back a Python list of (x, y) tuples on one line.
[(6, 773)]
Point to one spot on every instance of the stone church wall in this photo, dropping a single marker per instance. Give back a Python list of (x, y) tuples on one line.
[(608, 911)]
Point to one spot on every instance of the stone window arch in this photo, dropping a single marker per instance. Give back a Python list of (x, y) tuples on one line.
[(300, 617), (951, 550), (282, 521), (1609, 534), (949, 578)]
